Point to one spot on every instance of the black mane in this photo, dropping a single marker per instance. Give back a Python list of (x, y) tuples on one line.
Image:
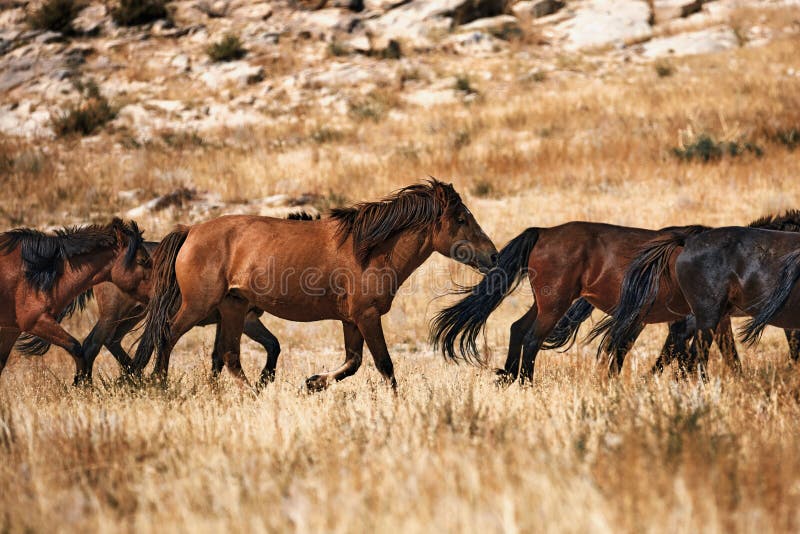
[(787, 222), (44, 255), (411, 208)]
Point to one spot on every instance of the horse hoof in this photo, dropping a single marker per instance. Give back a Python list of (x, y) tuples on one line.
[(503, 378), (316, 383)]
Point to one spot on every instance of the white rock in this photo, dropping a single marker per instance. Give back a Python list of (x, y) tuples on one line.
[(474, 43), (500, 26), (705, 41), (604, 22), (257, 11), (431, 97), (181, 62), (238, 72)]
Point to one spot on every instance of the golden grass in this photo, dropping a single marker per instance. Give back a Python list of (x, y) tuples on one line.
[(450, 451)]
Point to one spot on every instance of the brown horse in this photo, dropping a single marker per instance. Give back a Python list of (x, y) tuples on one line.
[(568, 262), (42, 276), (119, 312), (347, 267)]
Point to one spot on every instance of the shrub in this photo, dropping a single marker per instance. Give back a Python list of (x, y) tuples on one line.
[(482, 188), (706, 149), (664, 69), (136, 12), (86, 117), (56, 16), (463, 84), (227, 49)]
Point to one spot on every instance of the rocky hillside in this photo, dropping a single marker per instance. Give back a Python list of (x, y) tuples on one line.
[(140, 68)]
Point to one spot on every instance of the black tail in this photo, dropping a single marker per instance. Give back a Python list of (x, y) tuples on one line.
[(640, 287), (30, 345), (461, 323), (165, 296), (566, 330), (773, 303)]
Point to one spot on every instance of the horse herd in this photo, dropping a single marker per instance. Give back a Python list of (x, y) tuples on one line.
[(349, 266)]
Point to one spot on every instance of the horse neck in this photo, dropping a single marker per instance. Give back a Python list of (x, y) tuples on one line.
[(407, 253), (84, 271)]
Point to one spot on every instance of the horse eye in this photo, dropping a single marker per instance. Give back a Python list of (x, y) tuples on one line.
[(461, 220)]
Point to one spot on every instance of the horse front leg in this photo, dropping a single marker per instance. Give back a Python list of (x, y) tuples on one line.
[(48, 328), (354, 348), (369, 324)]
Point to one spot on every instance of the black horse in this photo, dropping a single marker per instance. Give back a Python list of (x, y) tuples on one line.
[(719, 273), (623, 325)]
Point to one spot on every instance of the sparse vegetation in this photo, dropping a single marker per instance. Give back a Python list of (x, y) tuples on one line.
[(228, 48), (324, 135), (706, 149), (56, 16), (137, 12)]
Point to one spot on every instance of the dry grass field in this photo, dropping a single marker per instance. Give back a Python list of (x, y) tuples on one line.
[(450, 452)]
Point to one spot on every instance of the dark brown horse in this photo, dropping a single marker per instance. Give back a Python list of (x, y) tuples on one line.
[(680, 332), (347, 267), (568, 262), (654, 274), (42, 275)]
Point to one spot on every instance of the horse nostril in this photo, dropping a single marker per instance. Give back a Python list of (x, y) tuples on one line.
[(493, 258)]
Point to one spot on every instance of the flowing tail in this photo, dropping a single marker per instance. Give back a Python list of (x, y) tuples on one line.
[(165, 296), (31, 345), (566, 330), (639, 288), (461, 323), (774, 302)]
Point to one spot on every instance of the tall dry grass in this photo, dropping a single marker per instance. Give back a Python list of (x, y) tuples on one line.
[(450, 451)]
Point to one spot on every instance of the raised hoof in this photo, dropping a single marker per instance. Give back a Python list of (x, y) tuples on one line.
[(316, 383)]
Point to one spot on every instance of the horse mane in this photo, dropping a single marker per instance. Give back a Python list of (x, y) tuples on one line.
[(789, 221), (411, 208), (44, 255)]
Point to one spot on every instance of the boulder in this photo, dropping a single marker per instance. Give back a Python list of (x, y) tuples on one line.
[(537, 8), (90, 20), (673, 9), (705, 41), (600, 23)]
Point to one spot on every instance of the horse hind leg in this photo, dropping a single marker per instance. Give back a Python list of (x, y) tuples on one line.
[(188, 316), (255, 330), (726, 342), (676, 346), (518, 330), (546, 320), (616, 360), (232, 311)]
